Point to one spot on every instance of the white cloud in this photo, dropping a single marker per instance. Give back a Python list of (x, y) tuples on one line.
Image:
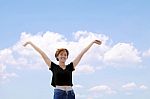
[(146, 53), (6, 56), (102, 89), (84, 36), (143, 87), (2, 68), (85, 69), (122, 53), (5, 76), (50, 41), (20, 57), (129, 86), (133, 86)]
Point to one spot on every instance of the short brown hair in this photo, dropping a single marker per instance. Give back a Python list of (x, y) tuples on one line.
[(60, 50)]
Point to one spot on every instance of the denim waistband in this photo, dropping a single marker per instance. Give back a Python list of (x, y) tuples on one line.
[(64, 88), (63, 91)]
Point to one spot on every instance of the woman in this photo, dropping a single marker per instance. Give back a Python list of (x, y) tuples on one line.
[(62, 73)]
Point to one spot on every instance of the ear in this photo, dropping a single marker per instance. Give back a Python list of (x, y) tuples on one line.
[(57, 59)]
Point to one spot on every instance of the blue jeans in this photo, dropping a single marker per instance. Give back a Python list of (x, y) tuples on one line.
[(61, 94)]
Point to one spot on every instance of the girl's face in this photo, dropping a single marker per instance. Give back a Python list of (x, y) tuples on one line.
[(62, 57)]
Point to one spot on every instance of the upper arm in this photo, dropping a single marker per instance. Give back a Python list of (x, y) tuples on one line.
[(46, 59), (77, 60), (48, 62), (44, 56)]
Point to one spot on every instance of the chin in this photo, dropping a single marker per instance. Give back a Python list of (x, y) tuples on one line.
[(63, 61)]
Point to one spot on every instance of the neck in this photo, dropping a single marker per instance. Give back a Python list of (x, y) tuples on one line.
[(62, 64)]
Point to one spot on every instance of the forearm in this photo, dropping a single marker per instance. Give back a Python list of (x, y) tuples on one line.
[(78, 58), (37, 49), (44, 56), (86, 49)]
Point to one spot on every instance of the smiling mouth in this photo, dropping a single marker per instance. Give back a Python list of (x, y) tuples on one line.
[(63, 58)]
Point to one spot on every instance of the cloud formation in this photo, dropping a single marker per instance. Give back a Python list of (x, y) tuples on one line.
[(103, 89), (20, 57), (146, 53), (133, 86), (122, 53)]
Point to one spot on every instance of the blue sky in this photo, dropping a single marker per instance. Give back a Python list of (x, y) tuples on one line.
[(119, 68)]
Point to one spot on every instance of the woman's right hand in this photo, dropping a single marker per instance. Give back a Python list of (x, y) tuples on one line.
[(29, 42)]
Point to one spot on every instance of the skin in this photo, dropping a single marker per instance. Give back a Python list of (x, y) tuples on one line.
[(63, 55)]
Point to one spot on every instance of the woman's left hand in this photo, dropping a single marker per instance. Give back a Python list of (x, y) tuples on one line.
[(97, 42)]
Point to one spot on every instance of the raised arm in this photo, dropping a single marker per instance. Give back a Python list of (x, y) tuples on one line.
[(44, 56), (78, 58)]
